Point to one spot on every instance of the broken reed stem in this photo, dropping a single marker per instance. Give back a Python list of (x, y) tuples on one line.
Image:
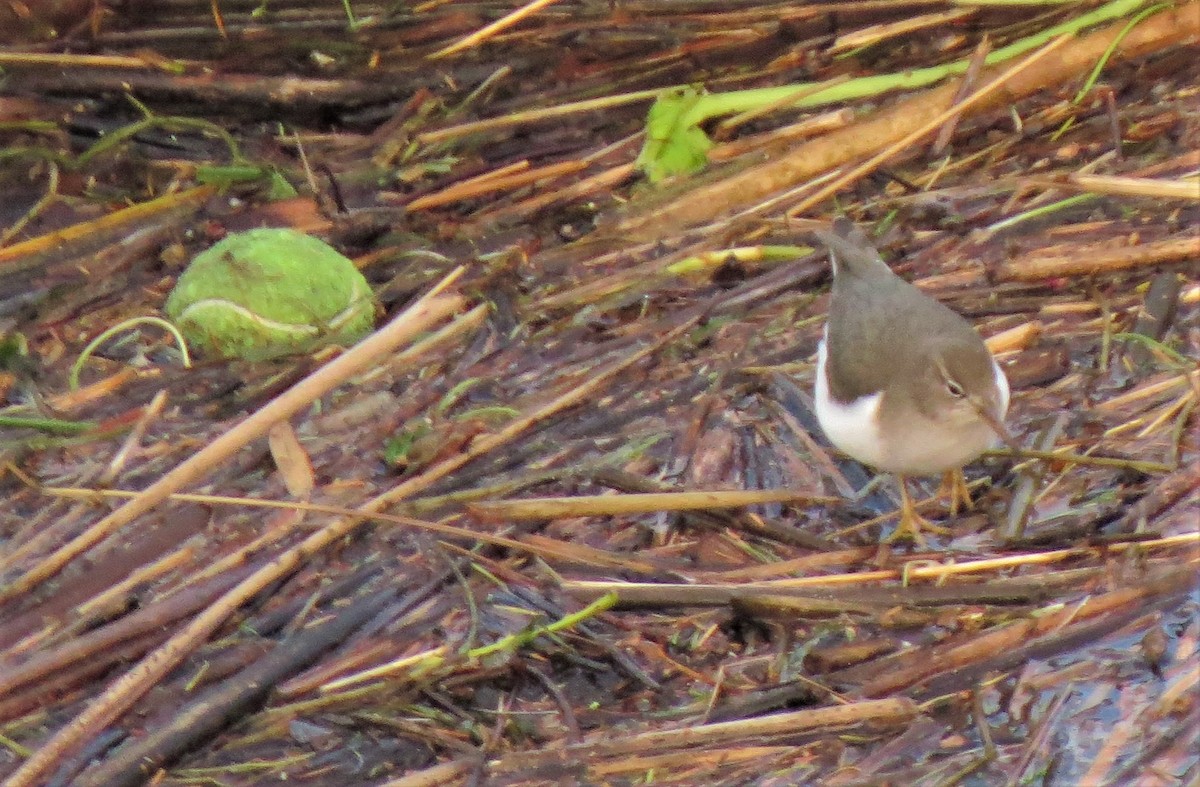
[(1102, 259), (1070, 458), (487, 31), (127, 689), (648, 503), (1016, 338), (441, 528), (478, 187), (887, 711), (818, 157), (425, 663), (1018, 634), (955, 110), (429, 310), (666, 594), (486, 444), (1122, 185), (70, 61), (536, 115), (91, 234), (454, 772), (1150, 390)]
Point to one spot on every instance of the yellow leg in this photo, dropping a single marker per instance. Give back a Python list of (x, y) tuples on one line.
[(911, 523), (954, 485)]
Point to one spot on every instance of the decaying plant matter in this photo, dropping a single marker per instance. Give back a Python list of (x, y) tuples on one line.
[(565, 517)]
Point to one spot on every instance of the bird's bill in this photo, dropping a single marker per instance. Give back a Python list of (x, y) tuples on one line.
[(996, 424)]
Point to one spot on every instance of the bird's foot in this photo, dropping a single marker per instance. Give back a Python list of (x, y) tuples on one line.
[(912, 526), (954, 486)]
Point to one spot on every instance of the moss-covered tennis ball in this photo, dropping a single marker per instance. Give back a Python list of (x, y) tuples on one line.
[(269, 292)]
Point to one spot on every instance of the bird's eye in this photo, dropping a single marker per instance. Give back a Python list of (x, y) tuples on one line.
[(955, 389)]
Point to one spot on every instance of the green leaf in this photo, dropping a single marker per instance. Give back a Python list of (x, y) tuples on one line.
[(226, 175), (674, 143), (279, 188)]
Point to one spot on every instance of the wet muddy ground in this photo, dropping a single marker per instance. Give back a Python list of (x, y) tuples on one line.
[(485, 566)]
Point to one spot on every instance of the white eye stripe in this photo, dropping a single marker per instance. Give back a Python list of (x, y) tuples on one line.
[(954, 388)]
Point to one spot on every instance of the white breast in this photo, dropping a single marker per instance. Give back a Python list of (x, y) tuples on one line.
[(1002, 384), (920, 447), (853, 428)]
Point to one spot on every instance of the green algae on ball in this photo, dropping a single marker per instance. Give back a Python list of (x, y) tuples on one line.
[(264, 293)]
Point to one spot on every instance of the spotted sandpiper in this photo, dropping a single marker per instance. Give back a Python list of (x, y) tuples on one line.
[(904, 384)]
